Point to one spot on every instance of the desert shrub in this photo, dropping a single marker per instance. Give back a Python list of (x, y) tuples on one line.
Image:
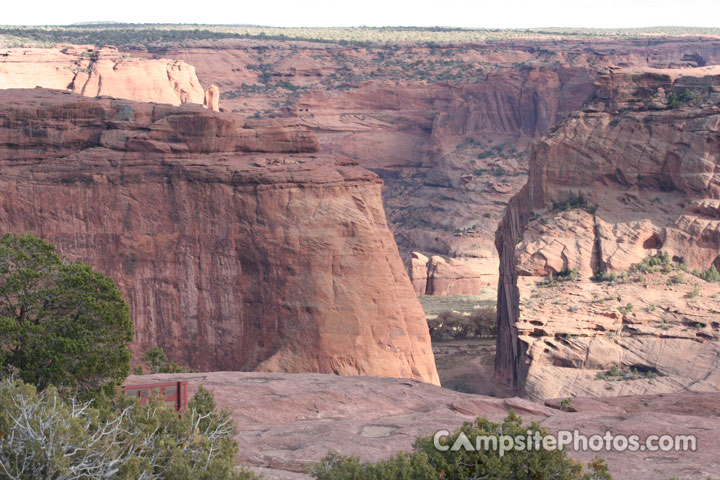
[(659, 262), (654, 263), (579, 201), (566, 405), (61, 323), (566, 274), (626, 309), (453, 325), (603, 276), (425, 462), (710, 275), (45, 436), (616, 373)]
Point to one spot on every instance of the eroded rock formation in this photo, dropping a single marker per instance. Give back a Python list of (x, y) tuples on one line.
[(446, 127), (92, 72), (237, 245), (453, 276), (212, 98), (631, 175)]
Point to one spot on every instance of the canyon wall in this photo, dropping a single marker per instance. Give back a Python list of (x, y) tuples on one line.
[(447, 127), (625, 191), (237, 244), (94, 72)]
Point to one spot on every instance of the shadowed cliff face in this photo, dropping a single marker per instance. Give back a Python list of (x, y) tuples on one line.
[(237, 246), (628, 176), (446, 127)]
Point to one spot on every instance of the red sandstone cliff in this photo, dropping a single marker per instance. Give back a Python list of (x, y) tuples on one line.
[(237, 246), (446, 127), (632, 174)]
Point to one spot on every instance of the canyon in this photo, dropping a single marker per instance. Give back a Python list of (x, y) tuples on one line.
[(237, 245), (251, 235), (449, 130), (621, 207), (447, 127)]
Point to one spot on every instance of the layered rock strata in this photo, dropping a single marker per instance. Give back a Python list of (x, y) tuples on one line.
[(445, 126)]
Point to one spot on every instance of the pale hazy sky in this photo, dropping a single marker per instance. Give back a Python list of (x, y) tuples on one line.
[(324, 13)]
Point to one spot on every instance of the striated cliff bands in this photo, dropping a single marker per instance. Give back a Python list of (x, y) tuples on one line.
[(237, 245), (624, 191)]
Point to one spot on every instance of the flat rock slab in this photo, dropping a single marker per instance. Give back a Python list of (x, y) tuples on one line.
[(286, 421)]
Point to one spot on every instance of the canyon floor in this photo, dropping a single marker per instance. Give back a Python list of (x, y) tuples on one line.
[(465, 364)]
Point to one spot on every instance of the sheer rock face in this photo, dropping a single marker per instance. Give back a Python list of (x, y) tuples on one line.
[(438, 276), (237, 246), (94, 72), (644, 155), (446, 127)]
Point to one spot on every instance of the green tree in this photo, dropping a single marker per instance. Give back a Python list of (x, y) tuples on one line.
[(61, 323)]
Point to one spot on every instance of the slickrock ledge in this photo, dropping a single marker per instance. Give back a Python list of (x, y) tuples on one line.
[(286, 421)]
